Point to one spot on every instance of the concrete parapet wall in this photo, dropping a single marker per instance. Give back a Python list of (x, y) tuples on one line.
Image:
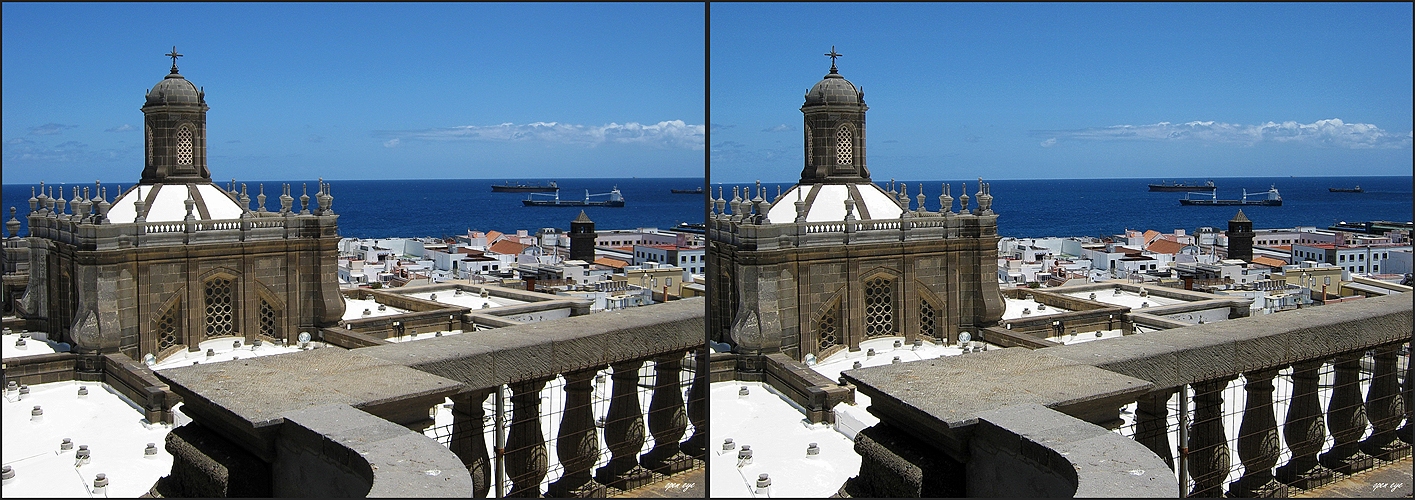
[(137, 382), (338, 451), (350, 339), (1195, 353), (724, 367), (1031, 451)]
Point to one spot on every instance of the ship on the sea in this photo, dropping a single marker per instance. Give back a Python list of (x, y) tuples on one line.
[(518, 187), (1168, 186), (614, 199), (1272, 199), (1356, 189), (699, 190)]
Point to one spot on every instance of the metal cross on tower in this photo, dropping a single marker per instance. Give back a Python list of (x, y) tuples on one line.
[(174, 55), (832, 55)]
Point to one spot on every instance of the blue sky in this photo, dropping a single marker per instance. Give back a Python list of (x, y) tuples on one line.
[(362, 91), (1015, 91)]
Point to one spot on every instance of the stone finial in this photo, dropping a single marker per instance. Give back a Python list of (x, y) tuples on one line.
[(32, 200), (12, 226), (849, 208), (800, 206), (921, 198), (139, 207), (904, 196), (778, 194), (245, 199), (720, 203), (100, 216), (58, 204), (326, 201), (286, 200), (304, 198), (963, 200), (260, 199), (945, 202), (191, 205)]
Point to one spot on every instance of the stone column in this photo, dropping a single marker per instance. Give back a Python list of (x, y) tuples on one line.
[(1346, 418), (1385, 407), (468, 441), (525, 445), (667, 418), (1151, 424), (1208, 443), (578, 444), (624, 431), (696, 445), (1407, 391), (1304, 430), (1258, 444)]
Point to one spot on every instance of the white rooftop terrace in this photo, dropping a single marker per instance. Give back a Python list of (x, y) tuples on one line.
[(354, 309), (465, 299), (37, 343), (1126, 298), (1026, 308), (112, 427), (223, 349)]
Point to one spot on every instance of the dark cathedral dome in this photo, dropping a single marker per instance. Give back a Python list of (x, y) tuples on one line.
[(176, 90), (834, 89)]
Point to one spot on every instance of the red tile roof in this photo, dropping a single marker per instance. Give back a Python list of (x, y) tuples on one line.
[(1269, 261), (507, 247), (1165, 246)]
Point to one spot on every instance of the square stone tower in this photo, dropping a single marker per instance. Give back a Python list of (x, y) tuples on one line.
[(836, 259)]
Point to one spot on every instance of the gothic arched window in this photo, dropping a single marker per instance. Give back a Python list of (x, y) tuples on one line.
[(269, 319), (220, 314), (184, 145), (828, 327), (928, 320), (879, 308), (167, 334), (844, 146)]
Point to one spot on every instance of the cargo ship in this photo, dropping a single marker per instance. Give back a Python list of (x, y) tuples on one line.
[(1272, 199), (508, 187), (1356, 189), (1177, 187), (615, 199)]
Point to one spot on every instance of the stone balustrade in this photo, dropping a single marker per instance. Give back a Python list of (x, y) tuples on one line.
[(242, 413), (936, 409)]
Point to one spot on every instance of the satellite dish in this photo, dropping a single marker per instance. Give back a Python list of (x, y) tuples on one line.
[(304, 336), (149, 360), (964, 337)]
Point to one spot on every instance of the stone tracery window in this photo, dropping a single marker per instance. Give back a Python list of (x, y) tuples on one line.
[(184, 145), (828, 327), (844, 146), (220, 317), (268, 317), (149, 144), (879, 308), (810, 151), (928, 321), (167, 329)]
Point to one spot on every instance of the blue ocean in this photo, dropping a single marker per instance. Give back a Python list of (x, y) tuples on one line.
[(1026, 208)]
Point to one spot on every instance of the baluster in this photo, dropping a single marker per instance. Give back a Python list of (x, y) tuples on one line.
[(667, 419), (1208, 443), (1151, 413), (525, 445), (696, 445), (624, 431), (1346, 418), (1384, 406), (1407, 433), (1304, 430), (1258, 444), (468, 442), (577, 445)]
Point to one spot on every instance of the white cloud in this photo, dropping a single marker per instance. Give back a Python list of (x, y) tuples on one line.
[(779, 128), (49, 129), (674, 134), (121, 128), (1049, 142), (1323, 133), (391, 143)]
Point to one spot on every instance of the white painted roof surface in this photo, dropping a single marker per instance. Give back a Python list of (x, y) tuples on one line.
[(778, 435), (170, 204), (34, 346), (112, 429), (421, 336), (224, 352), (354, 309), (466, 299), (1126, 298), (1013, 309), (829, 204), (1080, 337)]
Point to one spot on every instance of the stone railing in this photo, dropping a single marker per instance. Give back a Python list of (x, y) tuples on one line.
[(255, 424), (109, 235), (957, 434)]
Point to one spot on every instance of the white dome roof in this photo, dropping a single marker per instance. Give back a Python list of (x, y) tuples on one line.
[(169, 203), (827, 203)]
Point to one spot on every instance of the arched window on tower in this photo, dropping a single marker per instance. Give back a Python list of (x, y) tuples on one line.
[(828, 328), (184, 145), (844, 146), (879, 308), (220, 313), (810, 153), (149, 144), (166, 329), (928, 320)]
